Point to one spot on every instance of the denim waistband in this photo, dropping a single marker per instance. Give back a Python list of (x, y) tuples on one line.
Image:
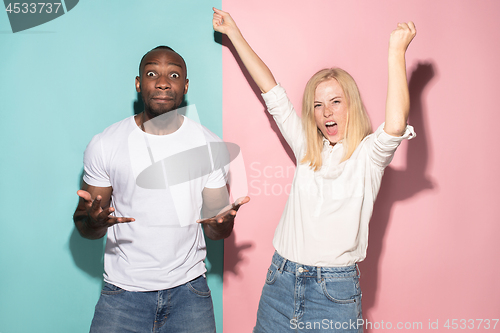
[(314, 271)]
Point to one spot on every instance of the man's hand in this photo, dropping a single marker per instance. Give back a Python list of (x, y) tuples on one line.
[(93, 216), (221, 225), (99, 217), (402, 37), (227, 214)]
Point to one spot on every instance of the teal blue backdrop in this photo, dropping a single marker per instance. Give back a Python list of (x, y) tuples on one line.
[(61, 83)]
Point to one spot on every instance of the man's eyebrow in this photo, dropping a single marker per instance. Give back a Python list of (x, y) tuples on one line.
[(155, 63), (175, 64)]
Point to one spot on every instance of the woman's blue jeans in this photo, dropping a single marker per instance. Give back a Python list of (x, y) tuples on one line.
[(187, 308), (300, 298)]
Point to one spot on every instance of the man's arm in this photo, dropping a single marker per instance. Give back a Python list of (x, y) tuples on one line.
[(216, 204), (398, 97), (93, 215)]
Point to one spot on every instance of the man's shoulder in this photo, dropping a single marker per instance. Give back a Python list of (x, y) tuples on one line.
[(112, 135), (121, 127), (209, 135)]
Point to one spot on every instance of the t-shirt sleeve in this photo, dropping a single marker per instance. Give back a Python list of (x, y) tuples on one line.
[(383, 146), (220, 158), (217, 178), (281, 108), (95, 173)]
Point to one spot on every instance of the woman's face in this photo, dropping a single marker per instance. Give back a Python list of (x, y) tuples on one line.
[(330, 110)]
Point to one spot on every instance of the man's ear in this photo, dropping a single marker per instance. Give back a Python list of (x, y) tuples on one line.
[(138, 84), (186, 87)]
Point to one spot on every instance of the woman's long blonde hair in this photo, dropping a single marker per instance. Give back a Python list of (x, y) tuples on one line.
[(358, 124)]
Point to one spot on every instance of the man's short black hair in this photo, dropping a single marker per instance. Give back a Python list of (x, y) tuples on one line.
[(161, 47)]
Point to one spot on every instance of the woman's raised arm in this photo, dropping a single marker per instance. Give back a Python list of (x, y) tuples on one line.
[(223, 23), (398, 97)]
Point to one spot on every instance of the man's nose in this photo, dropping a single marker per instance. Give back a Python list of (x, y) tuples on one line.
[(163, 82)]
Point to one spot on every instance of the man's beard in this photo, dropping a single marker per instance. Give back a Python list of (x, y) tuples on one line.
[(158, 110), (155, 112)]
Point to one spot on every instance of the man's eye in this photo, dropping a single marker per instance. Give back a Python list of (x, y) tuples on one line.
[(150, 74), (175, 75)]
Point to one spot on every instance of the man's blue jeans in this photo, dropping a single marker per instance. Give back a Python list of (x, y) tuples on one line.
[(300, 298), (187, 308)]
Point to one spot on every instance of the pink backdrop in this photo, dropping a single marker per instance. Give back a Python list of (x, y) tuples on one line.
[(434, 248)]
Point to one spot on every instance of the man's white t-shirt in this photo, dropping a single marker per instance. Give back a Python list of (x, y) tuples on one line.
[(157, 180)]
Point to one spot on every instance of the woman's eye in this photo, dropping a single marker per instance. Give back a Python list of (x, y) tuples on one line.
[(175, 75), (317, 105)]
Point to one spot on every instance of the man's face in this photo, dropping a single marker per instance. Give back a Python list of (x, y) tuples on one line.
[(163, 81)]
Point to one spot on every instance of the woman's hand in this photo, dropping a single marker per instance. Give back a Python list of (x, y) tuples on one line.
[(223, 22), (402, 37), (398, 97)]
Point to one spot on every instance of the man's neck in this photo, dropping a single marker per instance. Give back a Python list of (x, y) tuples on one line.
[(164, 124)]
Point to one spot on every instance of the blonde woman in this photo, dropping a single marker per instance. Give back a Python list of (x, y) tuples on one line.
[(313, 282)]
